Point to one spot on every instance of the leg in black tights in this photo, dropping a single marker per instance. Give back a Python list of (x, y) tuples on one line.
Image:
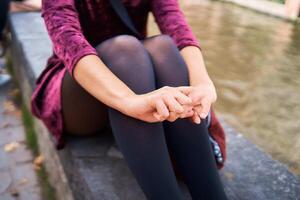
[(143, 144), (188, 142)]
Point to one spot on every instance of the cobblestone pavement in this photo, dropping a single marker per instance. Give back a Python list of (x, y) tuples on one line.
[(18, 180)]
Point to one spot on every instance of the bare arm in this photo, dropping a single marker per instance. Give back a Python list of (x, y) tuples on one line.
[(101, 82), (196, 67), (203, 92), (93, 75)]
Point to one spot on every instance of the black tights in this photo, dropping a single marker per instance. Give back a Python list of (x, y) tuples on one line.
[(145, 66)]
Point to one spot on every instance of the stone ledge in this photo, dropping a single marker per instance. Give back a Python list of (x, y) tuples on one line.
[(90, 167), (266, 7)]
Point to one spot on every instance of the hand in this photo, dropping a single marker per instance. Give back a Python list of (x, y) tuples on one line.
[(188, 112), (203, 96), (166, 103)]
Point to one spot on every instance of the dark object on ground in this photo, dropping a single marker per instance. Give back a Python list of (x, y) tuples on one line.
[(4, 5), (92, 168)]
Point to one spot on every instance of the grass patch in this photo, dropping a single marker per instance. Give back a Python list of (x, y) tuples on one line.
[(48, 192), (30, 133), (8, 65)]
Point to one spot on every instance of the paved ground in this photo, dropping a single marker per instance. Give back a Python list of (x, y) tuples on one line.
[(18, 180)]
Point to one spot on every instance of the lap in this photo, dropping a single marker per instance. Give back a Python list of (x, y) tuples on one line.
[(83, 114)]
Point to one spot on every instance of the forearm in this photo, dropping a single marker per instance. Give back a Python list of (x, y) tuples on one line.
[(196, 67), (94, 76)]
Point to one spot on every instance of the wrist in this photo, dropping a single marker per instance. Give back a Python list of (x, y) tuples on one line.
[(206, 81), (123, 103)]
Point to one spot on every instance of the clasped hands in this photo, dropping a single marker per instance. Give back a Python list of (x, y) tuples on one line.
[(171, 103)]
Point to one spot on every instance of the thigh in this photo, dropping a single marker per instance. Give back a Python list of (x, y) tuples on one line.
[(83, 114)]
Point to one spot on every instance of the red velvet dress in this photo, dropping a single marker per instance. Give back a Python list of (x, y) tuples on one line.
[(76, 27)]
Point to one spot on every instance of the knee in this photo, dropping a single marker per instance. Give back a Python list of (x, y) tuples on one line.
[(122, 52), (169, 65), (162, 43), (119, 44), (163, 50), (126, 56)]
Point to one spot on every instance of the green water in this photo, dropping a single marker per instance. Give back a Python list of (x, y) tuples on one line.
[(254, 61)]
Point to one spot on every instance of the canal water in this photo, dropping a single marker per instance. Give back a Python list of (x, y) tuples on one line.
[(254, 60)]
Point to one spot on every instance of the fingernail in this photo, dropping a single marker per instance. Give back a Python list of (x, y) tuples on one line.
[(166, 115), (158, 116)]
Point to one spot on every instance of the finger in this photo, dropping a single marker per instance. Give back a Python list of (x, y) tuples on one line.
[(187, 114), (188, 111), (205, 104), (196, 98), (182, 98), (188, 108), (196, 118), (158, 117), (191, 119), (172, 104), (172, 117), (198, 109), (185, 89), (162, 109)]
